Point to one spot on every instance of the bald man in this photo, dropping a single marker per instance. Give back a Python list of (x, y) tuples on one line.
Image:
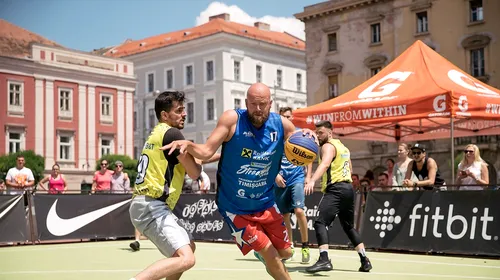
[(252, 145)]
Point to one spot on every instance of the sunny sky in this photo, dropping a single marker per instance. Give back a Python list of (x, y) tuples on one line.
[(90, 24)]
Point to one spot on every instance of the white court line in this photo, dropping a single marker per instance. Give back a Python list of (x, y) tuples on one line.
[(249, 269), (420, 262)]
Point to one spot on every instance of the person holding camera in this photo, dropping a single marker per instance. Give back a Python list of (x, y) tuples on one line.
[(472, 170)]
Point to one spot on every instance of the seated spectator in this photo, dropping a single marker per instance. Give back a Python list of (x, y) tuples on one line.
[(426, 170), (57, 182), (19, 178), (120, 183), (383, 183), (102, 179), (472, 170), (2, 186)]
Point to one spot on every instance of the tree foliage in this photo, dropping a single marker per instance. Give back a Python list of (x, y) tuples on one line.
[(129, 165), (33, 161)]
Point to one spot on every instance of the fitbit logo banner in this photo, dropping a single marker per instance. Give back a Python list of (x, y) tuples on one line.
[(385, 219), (424, 221)]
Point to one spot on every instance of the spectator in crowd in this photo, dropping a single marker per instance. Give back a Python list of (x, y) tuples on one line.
[(102, 179), (399, 170), (472, 170), (204, 182), (2, 186), (355, 181), (390, 168), (364, 186), (19, 178), (426, 170), (57, 182), (371, 178), (383, 183), (120, 183)]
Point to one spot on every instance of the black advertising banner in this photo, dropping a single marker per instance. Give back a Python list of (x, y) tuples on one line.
[(463, 222), (336, 235), (82, 216), (13, 222), (199, 215)]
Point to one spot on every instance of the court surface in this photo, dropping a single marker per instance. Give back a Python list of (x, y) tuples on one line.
[(113, 260)]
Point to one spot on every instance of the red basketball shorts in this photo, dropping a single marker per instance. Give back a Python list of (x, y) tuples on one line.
[(254, 231)]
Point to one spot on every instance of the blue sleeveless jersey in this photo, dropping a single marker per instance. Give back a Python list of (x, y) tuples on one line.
[(249, 164), (292, 174)]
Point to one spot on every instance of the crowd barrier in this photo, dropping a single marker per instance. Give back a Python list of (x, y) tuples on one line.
[(463, 222)]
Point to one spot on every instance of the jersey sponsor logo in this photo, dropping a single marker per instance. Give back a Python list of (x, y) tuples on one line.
[(248, 134), (59, 227), (246, 153)]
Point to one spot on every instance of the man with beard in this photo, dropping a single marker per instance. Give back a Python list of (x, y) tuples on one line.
[(252, 145), (338, 197), (160, 177), (425, 169)]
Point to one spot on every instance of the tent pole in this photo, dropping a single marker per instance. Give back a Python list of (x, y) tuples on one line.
[(452, 153)]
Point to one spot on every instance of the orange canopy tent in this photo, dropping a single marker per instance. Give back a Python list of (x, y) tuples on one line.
[(418, 96)]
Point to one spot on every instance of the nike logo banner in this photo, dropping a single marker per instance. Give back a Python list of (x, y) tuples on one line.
[(83, 216), (12, 219)]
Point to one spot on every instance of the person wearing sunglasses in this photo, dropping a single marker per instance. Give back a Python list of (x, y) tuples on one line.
[(472, 170), (102, 179), (426, 170), (120, 182)]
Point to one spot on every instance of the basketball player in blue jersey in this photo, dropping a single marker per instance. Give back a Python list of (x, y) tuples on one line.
[(290, 196), (252, 146)]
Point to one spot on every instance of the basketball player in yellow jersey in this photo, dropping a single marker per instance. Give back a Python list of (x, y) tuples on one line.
[(157, 188), (338, 197)]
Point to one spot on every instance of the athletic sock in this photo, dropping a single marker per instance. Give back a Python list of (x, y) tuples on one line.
[(305, 244), (362, 254), (323, 254)]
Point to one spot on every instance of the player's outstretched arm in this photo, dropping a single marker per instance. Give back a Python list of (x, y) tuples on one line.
[(205, 151), (327, 153)]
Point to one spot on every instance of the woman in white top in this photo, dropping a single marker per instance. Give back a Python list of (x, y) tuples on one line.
[(399, 170), (472, 170)]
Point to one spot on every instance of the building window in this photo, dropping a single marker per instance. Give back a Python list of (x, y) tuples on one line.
[(152, 118), (299, 82), (476, 10), (65, 104), (15, 96), (375, 31), (189, 75), (105, 147), (14, 142), (237, 103), (65, 147), (258, 73), (236, 70), (210, 70), (135, 121), (332, 42), (210, 109), (107, 107), (374, 71), (279, 78), (190, 112), (169, 74), (422, 22), (477, 62), (333, 86), (151, 82)]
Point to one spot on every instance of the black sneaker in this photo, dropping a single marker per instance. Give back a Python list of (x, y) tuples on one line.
[(366, 265), (135, 246), (320, 265)]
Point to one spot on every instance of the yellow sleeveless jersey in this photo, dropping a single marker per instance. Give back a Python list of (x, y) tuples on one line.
[(156, 176), (339, 170)]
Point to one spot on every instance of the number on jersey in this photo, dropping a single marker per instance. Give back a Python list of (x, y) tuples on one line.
[(345, 169), (141, 169)]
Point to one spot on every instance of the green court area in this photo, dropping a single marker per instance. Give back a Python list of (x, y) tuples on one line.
[(113, 260)]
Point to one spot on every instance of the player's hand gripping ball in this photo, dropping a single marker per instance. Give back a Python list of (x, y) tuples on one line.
[(301, 149)]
